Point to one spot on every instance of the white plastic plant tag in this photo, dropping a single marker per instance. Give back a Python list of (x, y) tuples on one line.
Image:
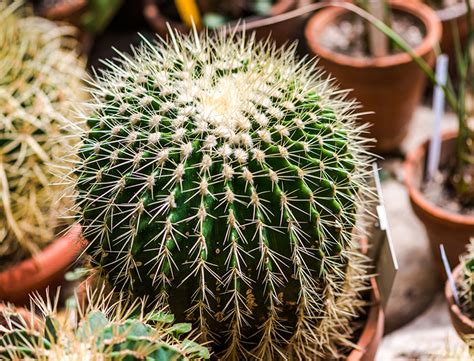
[(438, 110), (381, 246), (381, 213), (447, 269)]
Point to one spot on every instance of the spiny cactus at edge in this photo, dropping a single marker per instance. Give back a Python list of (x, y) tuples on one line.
[(39, 80), (466, 281), (222, 177), (104, 329)]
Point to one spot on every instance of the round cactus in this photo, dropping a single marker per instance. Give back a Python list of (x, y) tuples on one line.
[(104, 329), (39, 78), (221, 177)]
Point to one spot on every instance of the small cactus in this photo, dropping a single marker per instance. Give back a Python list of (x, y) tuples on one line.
[(222, 177), (39, 78), (105, 329), (466, 281)]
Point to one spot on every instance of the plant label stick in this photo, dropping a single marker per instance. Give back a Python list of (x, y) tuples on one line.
[(382, 249), (378, 43), (438, 109), (447, 268)]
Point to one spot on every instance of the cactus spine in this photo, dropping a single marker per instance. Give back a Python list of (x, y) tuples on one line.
[(105, 329), (39, 78), (222, 177)]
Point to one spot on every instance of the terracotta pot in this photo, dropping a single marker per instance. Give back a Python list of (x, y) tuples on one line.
[(462, 324), (281, 32), (372, 333), (390, 86), (443, 227), (456, 13), (69, 11), (45, 269)]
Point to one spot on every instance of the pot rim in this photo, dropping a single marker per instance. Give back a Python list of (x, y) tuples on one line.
[(318, 22), (373, 327), (452, 12), (413, 158), (64, 10), (26, 275), (455, 310), (157, 20)]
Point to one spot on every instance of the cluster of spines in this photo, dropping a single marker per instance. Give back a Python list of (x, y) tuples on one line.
[(39, 81), (96, 325), (227, 175)]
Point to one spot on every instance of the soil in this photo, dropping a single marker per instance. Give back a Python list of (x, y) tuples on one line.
[(346, 35), (440, 193)]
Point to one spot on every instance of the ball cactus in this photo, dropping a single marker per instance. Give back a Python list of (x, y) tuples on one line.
[(222, 177), (105, 329), (39, 78), (466, 281)]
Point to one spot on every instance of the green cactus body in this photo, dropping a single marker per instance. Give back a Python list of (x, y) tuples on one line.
[(39, 80), (222, 177), (105, 329)]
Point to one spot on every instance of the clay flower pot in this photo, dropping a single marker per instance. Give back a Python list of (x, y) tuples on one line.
[(443, 227), (453, 13), (69, 10), (462, 324), (372, 332), (390, 86), (456, 13), (281, 32), (45, 269)]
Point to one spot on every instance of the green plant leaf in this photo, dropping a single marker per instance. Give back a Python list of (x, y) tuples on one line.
[(162, 317), (181, 328)]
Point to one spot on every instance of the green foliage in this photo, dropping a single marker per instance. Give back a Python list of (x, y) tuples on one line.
[(103, 330), (221, 178), (99, 13), (39, 79), (466, 281)]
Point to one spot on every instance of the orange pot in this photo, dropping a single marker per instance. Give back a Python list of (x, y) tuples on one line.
[(451, 230), (372, 333), (455, 13), (390, 86), (281, 32), (462, 324), (45, 269)]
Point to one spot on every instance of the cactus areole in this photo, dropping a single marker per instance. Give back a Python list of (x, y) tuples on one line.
[(221, 177)]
